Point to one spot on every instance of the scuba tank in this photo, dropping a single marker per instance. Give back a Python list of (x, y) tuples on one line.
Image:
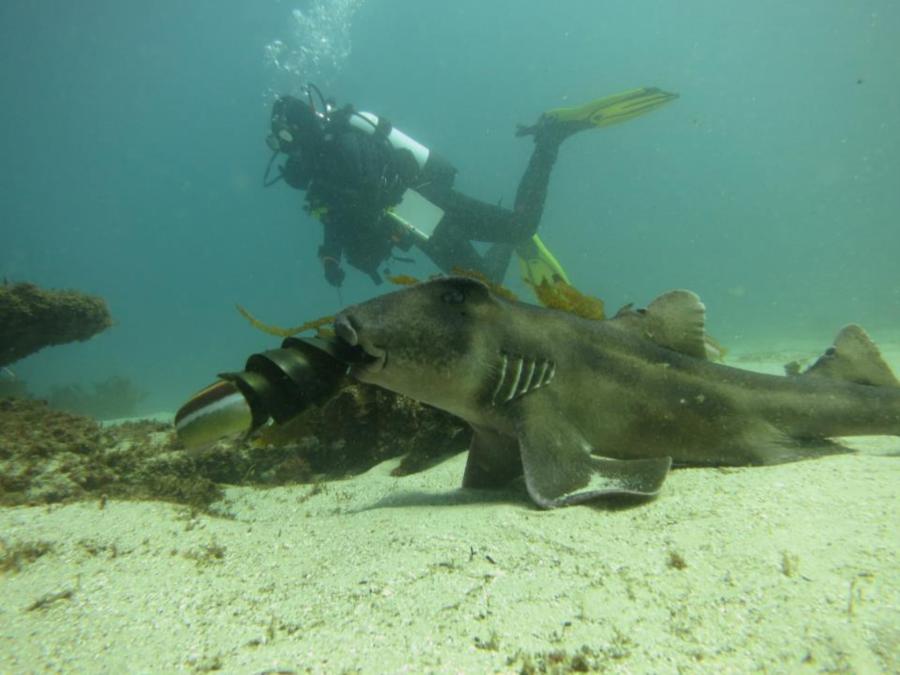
[(415, 214), (429, 163)]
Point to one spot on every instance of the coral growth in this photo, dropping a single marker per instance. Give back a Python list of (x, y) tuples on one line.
[(33, 318)]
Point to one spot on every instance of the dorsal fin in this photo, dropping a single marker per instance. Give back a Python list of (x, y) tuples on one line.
[(675, 320), (853, 358)]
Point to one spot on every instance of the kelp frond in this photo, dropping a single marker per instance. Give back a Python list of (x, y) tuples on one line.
[(555, 295), (496, 289), (403, 280), (316, 325), (565, 297)]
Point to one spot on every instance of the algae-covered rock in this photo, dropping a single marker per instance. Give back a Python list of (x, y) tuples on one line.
[(49, 456), (32, 318)]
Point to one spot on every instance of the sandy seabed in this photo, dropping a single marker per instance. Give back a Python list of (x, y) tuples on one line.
[(792, 568)]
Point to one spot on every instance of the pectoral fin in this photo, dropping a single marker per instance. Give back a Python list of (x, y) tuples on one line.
[(560, 469)]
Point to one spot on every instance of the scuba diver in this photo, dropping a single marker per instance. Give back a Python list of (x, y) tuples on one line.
[(375, 189)]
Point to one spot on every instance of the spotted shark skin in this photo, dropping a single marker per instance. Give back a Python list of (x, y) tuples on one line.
[(585, 408)]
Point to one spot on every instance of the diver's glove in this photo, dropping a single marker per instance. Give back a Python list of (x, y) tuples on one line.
[(334, 275)]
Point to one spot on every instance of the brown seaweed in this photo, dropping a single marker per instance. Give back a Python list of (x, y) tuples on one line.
[(497, 289), (315, 324), (565, 297), (403, 280)]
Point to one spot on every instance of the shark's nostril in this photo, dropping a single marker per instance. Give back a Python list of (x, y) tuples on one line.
[(345, 330)]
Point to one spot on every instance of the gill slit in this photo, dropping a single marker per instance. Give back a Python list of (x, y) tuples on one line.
[(518, 375)]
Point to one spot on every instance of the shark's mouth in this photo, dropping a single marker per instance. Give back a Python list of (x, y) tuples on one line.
[(372, 359)]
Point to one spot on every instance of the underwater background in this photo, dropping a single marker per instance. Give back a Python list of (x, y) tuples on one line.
[(133, 154)]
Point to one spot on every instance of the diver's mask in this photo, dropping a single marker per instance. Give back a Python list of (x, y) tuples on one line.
[(297, 129), (280, 141)]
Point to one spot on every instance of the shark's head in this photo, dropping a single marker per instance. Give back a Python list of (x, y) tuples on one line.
[(433, 341)]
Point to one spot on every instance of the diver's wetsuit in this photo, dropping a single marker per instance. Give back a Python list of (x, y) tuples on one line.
[(357, 176)]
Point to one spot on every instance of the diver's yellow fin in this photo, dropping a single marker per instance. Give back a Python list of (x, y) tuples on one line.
[(608, 110), (537, 264)]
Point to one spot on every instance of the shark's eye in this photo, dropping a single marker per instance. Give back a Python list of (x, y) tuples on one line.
[(454, 297)]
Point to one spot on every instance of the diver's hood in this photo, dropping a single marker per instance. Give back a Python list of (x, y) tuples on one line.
[(298, 130), (296, 126)]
